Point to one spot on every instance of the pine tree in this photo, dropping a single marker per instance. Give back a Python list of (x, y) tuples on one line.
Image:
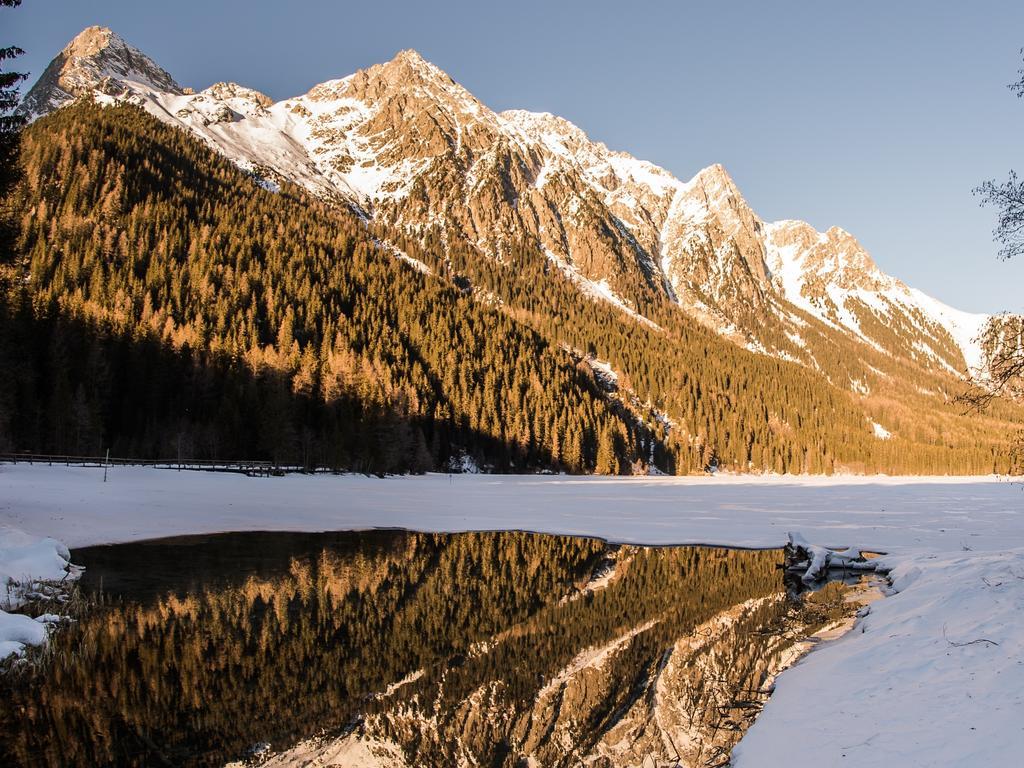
[(11, 124), (607, 463)]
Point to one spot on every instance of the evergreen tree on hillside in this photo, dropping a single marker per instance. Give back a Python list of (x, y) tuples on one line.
[(180, 310), (11, 124)]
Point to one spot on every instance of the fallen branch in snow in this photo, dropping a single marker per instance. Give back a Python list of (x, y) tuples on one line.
[(816, 560), (969, 642)]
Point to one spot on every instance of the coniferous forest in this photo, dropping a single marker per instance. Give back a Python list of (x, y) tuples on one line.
[(161, 303)]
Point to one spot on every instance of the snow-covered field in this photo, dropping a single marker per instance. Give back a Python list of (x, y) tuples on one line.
[(933, 676), (919, 514)]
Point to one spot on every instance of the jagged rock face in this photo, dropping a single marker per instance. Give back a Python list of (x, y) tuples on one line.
[(714, 252), (97, 60), (419, 152), (831, 277), (415, 151), (376, 131), (636, 194), (833, 258)]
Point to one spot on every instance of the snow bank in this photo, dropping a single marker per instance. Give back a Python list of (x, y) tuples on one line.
[(17, 631), (26, 560), (932, 676)]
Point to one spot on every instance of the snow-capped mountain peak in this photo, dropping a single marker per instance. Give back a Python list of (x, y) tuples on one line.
[(835, 257), (95, 61), (410, 82), (712, 194), (408, 65)]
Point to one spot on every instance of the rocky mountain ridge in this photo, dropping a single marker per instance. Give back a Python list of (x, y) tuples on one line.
[(412, 150)]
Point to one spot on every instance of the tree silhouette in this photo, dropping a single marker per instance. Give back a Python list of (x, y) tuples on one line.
[(1002, 342), (11, 123)]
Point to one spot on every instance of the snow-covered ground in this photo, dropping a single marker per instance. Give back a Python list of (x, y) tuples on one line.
[(903, 514), (933, 676)]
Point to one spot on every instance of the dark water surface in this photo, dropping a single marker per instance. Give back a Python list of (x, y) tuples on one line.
[(491, 648)]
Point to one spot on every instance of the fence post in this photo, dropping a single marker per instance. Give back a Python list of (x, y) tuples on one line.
[(106, 465)]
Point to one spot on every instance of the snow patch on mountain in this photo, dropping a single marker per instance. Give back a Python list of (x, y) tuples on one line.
[(603, 370), (402, 256), (966, 328), (597, 289)]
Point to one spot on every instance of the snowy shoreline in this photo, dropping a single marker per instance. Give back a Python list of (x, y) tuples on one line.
[(30, 567), (933, 675)]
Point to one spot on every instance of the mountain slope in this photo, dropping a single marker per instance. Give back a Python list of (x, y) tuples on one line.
[(406, 145), (608, 259), (169, 306)]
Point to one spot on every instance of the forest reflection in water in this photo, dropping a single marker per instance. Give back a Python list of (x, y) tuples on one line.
[(409, 649)]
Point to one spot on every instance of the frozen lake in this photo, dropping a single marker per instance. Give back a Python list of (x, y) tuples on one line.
[(934, 514), (932, 677)]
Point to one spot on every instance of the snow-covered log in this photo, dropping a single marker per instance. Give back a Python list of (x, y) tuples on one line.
[(816, 560)]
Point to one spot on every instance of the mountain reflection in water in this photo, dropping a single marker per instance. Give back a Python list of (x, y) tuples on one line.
[(391, 648)]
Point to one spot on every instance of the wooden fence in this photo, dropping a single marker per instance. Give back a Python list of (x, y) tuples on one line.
[(242, 466)]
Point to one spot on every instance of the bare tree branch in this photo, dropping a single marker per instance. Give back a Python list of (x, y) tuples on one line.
[(1008, 200)]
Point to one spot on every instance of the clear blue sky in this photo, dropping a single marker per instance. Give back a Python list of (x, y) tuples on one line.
[(879, 117)]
